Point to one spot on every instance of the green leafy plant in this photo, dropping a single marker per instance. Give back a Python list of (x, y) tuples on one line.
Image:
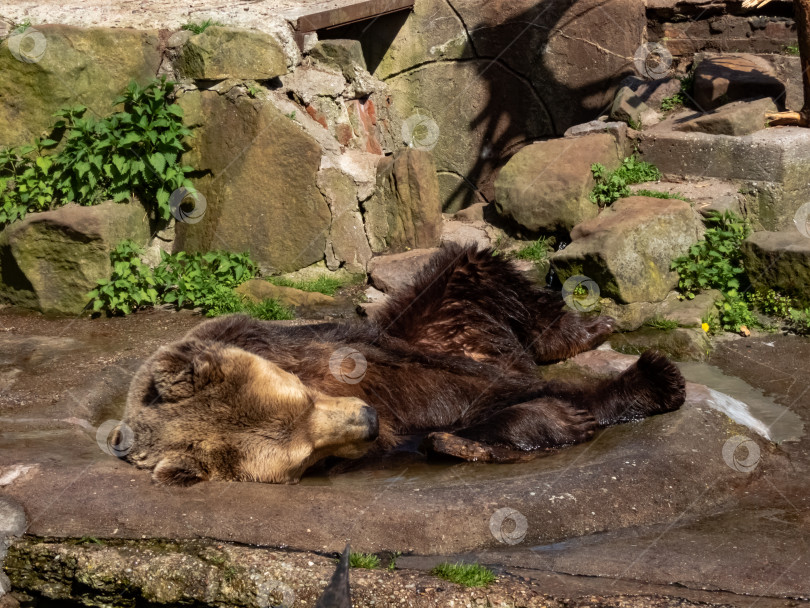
[(322, 284), (134, 152), (771, 303), (613, 185), (659, 194), (196, 280), (800, 320), (364, 560), (469, 575), (791, 49), (716, 261), (537, 251), (131, 285), (199, 28)]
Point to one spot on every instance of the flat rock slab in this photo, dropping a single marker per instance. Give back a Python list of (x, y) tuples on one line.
[(636, 480)]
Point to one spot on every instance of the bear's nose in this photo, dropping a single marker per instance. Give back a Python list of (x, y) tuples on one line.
[(372, 422)]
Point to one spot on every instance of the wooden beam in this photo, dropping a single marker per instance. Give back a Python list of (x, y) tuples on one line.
[(343, 15)]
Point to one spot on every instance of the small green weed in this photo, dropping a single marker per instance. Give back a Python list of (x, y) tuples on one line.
[(322, 284), (613, 185), (659, 194), (199, 28), (537, 251), (392, 564), (771, 303), (791, 49), (291, 115), (661, 323), (19, 28), (368, 561), (672, 102), (469, 575)]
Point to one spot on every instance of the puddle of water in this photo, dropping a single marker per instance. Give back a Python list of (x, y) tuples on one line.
[(745, 404)]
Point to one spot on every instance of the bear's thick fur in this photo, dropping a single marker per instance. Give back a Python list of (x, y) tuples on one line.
[(241, 399)]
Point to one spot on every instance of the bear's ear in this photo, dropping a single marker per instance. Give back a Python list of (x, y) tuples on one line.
[(180, 370), (178, 470)]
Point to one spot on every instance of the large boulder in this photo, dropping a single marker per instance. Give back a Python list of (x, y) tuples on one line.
[(780, 261), (77, 66), (222, 52), (405, 212), (260, 185), (731, 77), (629, 248), (49, 261), (545, 186)]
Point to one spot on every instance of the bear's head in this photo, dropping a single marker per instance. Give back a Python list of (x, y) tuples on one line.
[(202, 410)]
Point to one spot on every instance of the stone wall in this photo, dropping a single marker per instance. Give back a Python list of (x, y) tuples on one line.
[(496, 75)]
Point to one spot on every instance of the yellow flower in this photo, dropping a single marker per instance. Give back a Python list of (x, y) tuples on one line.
[(705, 327)]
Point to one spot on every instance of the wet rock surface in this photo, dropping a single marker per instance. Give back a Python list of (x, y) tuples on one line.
[(642, 506)]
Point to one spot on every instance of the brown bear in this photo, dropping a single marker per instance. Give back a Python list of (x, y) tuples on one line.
[(453, 353)]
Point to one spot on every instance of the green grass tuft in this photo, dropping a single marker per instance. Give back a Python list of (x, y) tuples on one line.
[(791, 49), (537, 251), (469, 575), (199, 28), (659, 194), (661, 323), (323, 284), (369, 561)]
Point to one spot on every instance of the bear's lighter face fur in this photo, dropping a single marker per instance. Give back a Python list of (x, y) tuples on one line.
[(205, 411)]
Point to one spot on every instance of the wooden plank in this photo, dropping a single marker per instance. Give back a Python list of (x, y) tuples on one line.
[(344, 15)]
